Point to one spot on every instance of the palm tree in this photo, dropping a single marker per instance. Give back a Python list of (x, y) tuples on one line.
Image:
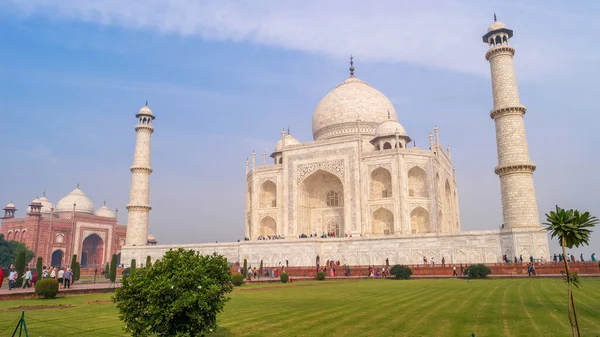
[(572, 228)]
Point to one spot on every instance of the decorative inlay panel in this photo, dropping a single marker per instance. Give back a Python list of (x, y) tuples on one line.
[(334, 166)]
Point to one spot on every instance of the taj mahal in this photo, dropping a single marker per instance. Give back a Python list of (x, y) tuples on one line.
[(362, 192)]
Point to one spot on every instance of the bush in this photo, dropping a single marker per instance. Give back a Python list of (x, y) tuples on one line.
[(125, 272), (320, 276), (477, 271), (38, 267), (20, 268), (284, 278), (148, 261), (76, 269), (180, 295), (237, 279), (401, 272), (245, 269), (46, 288), (133, 266), (113, 269)]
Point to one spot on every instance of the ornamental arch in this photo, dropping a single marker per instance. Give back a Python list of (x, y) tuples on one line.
[(268, 226), (382, 222), (268, 194), (320, 197), (419, 221), (418, 186), (381, 183)]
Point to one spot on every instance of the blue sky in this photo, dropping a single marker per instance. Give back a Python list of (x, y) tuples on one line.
[(224, 78)]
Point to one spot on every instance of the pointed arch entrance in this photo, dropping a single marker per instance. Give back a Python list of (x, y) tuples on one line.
[(57, 258), (382, 222), (92, 251), (321, 204)]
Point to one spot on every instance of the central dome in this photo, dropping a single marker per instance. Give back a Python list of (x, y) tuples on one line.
[(337, 113), (82, 203)]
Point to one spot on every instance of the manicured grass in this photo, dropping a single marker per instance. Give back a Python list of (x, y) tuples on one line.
[(443, 307)]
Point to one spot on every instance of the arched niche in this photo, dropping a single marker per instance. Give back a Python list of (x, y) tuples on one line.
[(268, 194), (418, 186), (381, 183), (382, 222), (268, 226), (419, 221)]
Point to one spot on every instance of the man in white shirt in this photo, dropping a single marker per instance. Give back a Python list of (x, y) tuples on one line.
[(27, 282), (61, 275), (12, 278)]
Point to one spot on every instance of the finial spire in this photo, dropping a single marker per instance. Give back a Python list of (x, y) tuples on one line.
[(77, 184), (288, 130), (44, 194), (146, 102), (351, 66), (495, 17), (104, 202)]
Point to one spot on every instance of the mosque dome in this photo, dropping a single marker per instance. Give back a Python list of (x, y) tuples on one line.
[(47, 206), (82, 203), (337, 113), (289, 140), (10, 205), (105, 212), (151, 238), (389, 128), (495, 26)]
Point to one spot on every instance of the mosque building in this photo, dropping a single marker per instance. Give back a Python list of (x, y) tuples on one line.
[(73, 226)]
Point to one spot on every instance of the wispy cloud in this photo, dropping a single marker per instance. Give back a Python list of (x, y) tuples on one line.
[(42, 155), (438, 34)]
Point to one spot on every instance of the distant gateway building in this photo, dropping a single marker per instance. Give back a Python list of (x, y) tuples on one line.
[(360, 180)]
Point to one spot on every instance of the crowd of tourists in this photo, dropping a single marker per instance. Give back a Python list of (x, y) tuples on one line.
[(270, 237), (571, 257), (253, 273), (64, 276)]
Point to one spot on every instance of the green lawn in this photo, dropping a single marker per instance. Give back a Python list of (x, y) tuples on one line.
[(443, 307)]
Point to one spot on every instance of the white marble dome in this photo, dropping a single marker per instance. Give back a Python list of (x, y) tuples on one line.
[(145, 110), (10, 205), (495, 26), (351, 100), (289, 140), (47, 206), (83, 203), (389, 128), (105, 212)]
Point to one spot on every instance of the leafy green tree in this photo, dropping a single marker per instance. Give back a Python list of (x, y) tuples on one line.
[(148, 261), (20, 268), (478, 271), (132, 268), (73, 260), (38, 267), (245, 269), (180, 295), (10, 249), (401, 272), (113, 269), (572, 229)]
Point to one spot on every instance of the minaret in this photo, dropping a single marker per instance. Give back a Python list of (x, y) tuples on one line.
[(139, 194), (515, 169)]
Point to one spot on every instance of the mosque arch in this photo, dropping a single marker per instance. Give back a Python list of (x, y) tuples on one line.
[(268, 226), (381, 183), (382, 222), (387, 146), (57, 258), (419, 221), (9, 235), (498, 40), (23, 232), (92, 251), (268, 194), (59, 238), (320, 197), (418, 186), (17, 235)]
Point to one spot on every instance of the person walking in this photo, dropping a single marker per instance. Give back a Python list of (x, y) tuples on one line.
[(581, 257), (593, 257), (1, 276), (27, 282), (34, 277), (12, 278), (454, 271), (443, 261), (61, 277)]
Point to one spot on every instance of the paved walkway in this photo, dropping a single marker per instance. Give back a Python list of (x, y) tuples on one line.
[(77, 288)]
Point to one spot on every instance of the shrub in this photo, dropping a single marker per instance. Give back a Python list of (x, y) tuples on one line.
[(477, 271), (113, 268), (38, 267), (284, 278), (185, 305), (148, 261), (320, 276), (20, 268), (245, 270), (401, 272), (76, 269), (133, 266), (237, 279), (73, 260), (125, 272), (46, 288)]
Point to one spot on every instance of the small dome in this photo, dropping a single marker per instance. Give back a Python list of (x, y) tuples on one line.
[(105, 212), (151, 238), (145, 110), (289, 140), (47, 206), (389, 128), (496, 25), (351, 100), (10, 205), (82, 203)]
